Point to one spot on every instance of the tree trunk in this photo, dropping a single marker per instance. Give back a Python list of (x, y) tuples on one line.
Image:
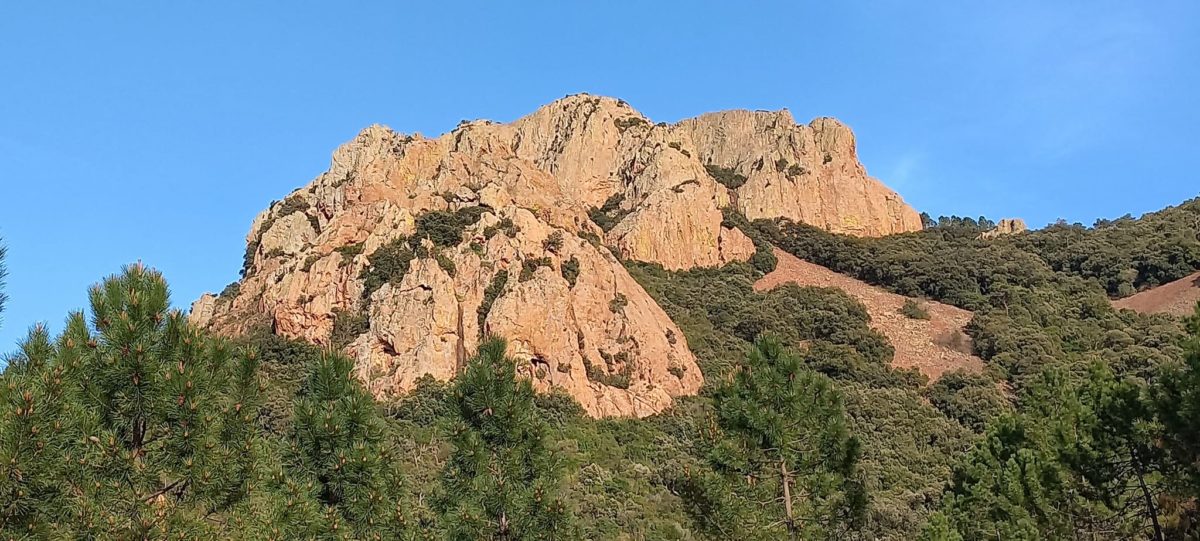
[(1158, 533), (787, 497)]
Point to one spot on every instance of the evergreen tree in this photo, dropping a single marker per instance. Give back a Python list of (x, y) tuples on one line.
[(340, 443), (1009, 487), (1177, 402), (1119, 455), (785, 460), (134, 426), (501, 483), (3, 275)]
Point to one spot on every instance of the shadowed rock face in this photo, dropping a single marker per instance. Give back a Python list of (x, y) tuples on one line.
[(571, 312)]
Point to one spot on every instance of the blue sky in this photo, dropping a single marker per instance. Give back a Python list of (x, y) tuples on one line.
[(157, 130)]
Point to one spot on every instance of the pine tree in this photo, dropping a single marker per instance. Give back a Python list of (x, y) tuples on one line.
[(1176, 395), (340, 443), (501, 483), (136, 425), (1119, 454), (785, 458), (3, 275)]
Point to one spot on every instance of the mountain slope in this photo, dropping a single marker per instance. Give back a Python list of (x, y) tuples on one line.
[(933, 346), (1177, 298), (409, 250)]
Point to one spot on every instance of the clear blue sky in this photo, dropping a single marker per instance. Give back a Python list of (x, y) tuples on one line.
[(157, 130)]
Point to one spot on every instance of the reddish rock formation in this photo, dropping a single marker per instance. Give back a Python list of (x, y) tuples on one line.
[(572, 314)]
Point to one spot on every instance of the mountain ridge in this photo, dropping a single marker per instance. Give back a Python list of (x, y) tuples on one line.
[(412, 249)]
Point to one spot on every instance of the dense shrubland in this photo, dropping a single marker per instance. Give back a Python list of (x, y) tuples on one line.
[(1082, 411), (133, 424)]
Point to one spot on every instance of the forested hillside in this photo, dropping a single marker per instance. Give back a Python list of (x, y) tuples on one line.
[(134, 424)]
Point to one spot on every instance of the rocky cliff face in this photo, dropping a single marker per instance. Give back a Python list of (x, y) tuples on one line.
[(1006, 226), (409, 250)]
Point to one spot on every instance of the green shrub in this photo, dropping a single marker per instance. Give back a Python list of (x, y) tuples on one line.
[(350, 251), (445, 228), (347, 325), (679, 148), (506, 225), (230, 291), (554, 242), (623, 124), (388, 264), (610, 214), (619, 379), (913, 310), (530, 265), (570, 270), (728, 177), (494, 289), (618, 303), (446, 264)]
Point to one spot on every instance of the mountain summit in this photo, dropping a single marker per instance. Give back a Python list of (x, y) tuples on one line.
[(409, 250)]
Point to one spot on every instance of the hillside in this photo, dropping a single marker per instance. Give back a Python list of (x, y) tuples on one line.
[(933, 346), (1177, 298), (408, 250)]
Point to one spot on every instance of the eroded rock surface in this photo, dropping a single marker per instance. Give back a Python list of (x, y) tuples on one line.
[(409, 250)]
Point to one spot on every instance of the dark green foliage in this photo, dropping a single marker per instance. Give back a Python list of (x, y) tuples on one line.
[(230, 291), (350, 251), (945, 265), (502, 481), (1177, 398), (912, 310), (618, 303), (727, 176), (248, 256), (530, 265), (445, 228), (617, 373), (100, 423), (570, 270), (554, 242), (1027, 315), (347, 325), (339, 442), (971, 399), (679, 148), (763, 261), (1125, 255), (291, 205), (494, 289), (720, 312), (387, 265), (609, 214), (623, 124), (908, 452), (3, 275), (506, 225), (786, 463), (446, 264), (283, 363)]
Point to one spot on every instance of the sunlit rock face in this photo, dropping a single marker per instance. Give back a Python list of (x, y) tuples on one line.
[(531, 265)]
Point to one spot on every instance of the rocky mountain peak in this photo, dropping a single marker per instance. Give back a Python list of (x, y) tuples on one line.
[(408, 250)]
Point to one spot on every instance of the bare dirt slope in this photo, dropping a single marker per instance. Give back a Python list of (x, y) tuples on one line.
[(1176, 298), (933, 346)]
